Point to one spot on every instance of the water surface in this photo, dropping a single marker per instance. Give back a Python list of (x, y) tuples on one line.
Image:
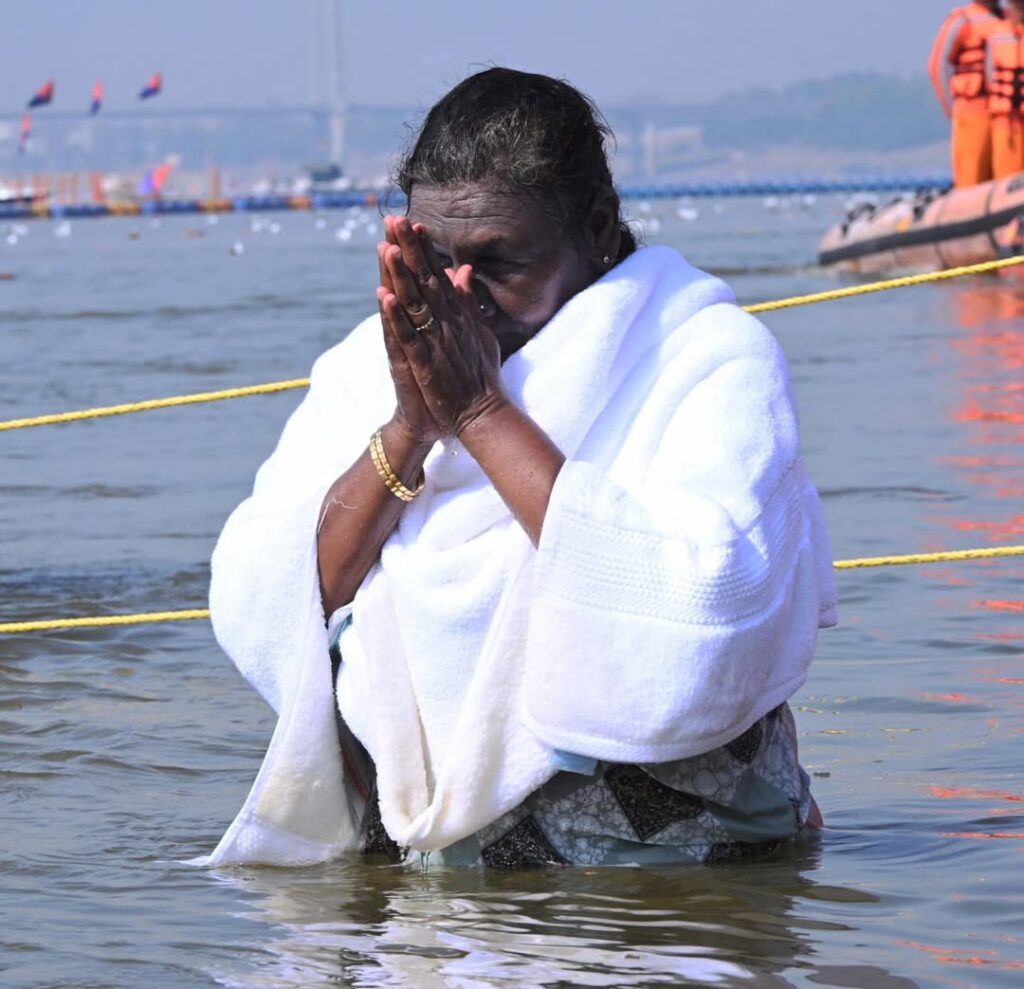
[(126, 751)]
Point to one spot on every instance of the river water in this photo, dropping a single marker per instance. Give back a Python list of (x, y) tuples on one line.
[(126, 751)]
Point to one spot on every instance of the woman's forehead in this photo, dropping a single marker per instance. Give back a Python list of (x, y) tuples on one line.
[(476, 210)]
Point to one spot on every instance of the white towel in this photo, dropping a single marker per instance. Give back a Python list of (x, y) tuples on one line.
[(675, 597)]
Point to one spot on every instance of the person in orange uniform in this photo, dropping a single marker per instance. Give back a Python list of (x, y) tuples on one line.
[(1005, 79), (957, 70)]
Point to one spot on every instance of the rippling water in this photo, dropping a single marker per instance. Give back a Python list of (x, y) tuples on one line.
[(126, 751)]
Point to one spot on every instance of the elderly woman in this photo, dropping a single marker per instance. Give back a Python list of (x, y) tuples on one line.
[(547, 512)]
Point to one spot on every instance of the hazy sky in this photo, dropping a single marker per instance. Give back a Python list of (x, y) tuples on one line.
[(407, 52)]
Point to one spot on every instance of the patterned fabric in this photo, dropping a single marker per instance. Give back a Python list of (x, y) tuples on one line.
[(524, 844), (738, 801)]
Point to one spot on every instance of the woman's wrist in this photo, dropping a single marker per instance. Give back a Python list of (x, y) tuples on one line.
[(405, 448), (485, 413), (494, 427), (399, 427)]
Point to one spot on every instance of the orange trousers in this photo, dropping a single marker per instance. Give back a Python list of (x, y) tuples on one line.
[(972, 143), (1007, 145)]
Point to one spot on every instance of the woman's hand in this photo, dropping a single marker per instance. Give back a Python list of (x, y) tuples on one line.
[(411, 413), (453, 357)]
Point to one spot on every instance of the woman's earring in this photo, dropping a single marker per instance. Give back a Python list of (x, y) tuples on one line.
[(482, 307), (606, 260)]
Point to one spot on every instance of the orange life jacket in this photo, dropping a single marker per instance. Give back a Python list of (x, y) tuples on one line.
[(1005, 70), (957, 63)]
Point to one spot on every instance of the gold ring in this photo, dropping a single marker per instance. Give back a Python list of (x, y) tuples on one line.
[(426, 326)]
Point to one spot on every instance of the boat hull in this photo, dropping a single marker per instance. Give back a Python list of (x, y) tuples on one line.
[(931, 231)]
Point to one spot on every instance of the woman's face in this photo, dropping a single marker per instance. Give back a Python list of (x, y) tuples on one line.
[(524, 267)]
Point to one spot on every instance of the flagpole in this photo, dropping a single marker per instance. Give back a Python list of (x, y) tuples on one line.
[(334, 53)]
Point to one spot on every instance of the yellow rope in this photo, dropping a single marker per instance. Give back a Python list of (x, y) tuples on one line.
[(947, 557), (277, 386), (155, 403), (100, 621), (146, 618), (891, 283)]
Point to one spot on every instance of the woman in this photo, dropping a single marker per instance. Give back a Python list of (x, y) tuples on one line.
[(576, 572)]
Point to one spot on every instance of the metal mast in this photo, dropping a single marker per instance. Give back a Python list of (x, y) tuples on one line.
[(332, 46)]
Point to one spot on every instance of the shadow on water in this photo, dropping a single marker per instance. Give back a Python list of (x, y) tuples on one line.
[(377, 926)]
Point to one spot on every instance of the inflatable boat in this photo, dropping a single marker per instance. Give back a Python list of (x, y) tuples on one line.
[(930, 230)]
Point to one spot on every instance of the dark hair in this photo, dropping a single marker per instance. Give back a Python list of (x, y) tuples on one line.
[(520, 132)]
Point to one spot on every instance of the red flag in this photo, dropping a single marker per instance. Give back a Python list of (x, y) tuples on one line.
[(43, 95), (26, 132), (152, 182), (160, 174), (155, 84), (97, 99)]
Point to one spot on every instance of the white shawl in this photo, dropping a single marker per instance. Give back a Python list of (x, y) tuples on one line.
[(675, 597)]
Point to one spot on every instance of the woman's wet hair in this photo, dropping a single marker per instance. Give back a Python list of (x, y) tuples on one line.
[(521, 133)]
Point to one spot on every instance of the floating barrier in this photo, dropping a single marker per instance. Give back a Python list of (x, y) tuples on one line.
[(783, 187), (41, 210)]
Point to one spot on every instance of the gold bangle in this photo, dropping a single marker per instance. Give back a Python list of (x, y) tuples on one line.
[(382, 464), (387, 474)]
